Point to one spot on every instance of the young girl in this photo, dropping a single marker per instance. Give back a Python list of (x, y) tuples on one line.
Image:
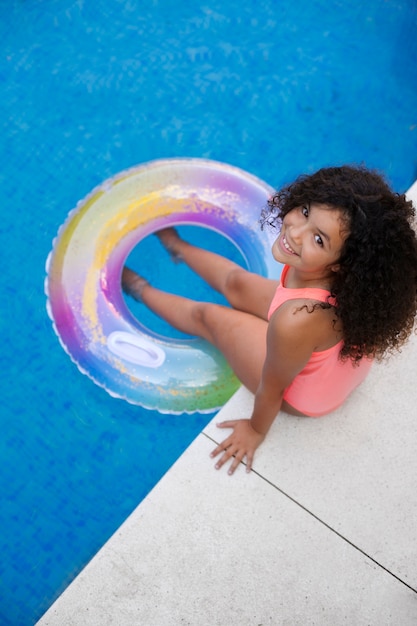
[(347, 295)]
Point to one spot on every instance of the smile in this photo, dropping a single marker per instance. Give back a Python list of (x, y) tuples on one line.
[(287, 245)]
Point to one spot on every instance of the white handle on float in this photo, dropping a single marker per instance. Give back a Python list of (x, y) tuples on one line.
[(135, 349)]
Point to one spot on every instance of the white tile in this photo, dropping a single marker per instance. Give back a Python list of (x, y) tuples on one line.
[(412, 193), (205, 548), (357, 468)]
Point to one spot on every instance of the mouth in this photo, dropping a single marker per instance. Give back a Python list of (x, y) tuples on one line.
[(287, 246)]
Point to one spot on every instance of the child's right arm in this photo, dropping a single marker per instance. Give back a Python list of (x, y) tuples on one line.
[(291, 339)]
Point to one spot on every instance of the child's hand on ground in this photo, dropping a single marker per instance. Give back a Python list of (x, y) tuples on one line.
[(242, 443)]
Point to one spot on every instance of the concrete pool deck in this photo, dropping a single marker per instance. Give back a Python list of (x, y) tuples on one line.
[(322, 531)]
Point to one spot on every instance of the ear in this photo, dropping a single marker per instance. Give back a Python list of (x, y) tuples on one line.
[(335, 268)]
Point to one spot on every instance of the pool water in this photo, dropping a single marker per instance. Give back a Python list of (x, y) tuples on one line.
[(92, 88), (155, 263)]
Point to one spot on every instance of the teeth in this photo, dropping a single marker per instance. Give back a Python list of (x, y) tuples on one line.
[(287, 246)]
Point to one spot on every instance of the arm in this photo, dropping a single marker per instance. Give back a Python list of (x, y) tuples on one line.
[(290, 341)]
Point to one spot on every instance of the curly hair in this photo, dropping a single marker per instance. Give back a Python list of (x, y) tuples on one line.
[(376, 285)]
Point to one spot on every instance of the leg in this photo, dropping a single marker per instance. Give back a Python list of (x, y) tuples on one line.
[(244, 290), (240, 336), (133, 284)]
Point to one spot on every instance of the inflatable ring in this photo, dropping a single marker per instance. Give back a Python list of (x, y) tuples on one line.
[(85, 300)]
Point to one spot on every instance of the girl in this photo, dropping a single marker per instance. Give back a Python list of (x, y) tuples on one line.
[(347, 295)]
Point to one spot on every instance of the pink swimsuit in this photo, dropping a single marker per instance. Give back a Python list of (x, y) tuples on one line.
[(325, 382)]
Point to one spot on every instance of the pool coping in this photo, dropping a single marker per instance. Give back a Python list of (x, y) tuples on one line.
[(320, 532)]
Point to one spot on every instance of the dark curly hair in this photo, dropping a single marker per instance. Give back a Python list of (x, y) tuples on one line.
[(376, 285)]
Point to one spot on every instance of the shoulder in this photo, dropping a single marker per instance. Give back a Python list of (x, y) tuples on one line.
[(300, 322), (300, 312)]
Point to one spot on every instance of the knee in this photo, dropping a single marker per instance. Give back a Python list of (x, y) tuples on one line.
[(205, 319), (235, 283), (199, 316)]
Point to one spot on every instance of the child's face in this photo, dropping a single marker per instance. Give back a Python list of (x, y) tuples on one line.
[(311, 239)]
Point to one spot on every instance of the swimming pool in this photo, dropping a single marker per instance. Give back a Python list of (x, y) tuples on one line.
[(90, 89)]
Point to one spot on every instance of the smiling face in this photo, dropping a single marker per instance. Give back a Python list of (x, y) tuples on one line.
[(311, 240)]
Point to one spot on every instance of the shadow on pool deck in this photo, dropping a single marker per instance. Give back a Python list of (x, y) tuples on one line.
[(321, 532)]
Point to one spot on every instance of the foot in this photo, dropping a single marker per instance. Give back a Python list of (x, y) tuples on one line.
[(170, 239), (133, 284)]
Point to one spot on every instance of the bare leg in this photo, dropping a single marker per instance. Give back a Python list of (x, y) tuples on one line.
[(244, 290), (133, 284), (240, 336)]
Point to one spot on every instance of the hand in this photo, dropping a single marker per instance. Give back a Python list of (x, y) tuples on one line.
[(242, 442)]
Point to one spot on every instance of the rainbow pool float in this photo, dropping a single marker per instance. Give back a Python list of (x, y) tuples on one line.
[(83, 284)]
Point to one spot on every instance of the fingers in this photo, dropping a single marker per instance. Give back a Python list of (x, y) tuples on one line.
[(227, 424), (240, 444), (222, 447), (236, 461), (230, 452), (249, 461), (227, 455)]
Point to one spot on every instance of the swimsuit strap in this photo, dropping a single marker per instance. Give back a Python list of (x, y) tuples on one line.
[(310, 293), (282, 294)]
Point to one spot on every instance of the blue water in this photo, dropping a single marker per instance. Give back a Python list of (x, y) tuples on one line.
[(91, 88)]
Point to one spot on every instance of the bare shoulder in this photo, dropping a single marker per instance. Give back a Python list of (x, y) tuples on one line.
[(300, 320)]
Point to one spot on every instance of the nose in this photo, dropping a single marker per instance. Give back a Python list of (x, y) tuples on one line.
[(296, 232)]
